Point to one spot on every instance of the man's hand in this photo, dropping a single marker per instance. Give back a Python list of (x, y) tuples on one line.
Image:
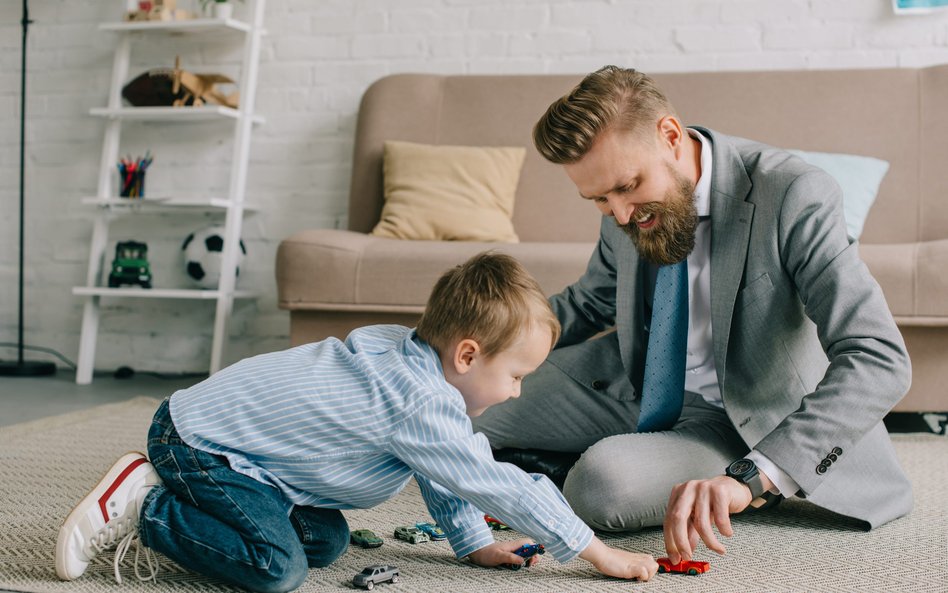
[(619, 563), (499, 553), (696, 507)]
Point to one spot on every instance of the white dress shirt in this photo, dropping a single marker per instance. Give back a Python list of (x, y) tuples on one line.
[(700, 374)]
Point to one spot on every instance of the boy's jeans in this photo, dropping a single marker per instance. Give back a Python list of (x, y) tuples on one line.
[(215, 521)]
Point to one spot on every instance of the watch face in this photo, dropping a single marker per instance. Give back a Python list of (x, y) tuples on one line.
[(741, 467)]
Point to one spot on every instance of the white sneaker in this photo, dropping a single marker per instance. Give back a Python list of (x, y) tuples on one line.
[(105, 517)]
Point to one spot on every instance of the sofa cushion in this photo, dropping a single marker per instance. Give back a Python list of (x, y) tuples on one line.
[(859, 178), (332, 269), (913, 279), (451, 193)]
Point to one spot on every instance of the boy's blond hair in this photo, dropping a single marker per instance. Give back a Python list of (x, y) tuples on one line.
[(490, 299), (609, 97)]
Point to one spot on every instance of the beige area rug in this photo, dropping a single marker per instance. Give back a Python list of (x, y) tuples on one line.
[(46, 466)]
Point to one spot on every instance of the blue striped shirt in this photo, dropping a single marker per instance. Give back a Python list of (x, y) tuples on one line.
[(347, 424)]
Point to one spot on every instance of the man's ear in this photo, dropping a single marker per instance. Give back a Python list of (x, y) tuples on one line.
[(670, 132), (465, 353)]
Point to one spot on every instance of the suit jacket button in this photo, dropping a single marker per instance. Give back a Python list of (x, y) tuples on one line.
[(832, 457), (821, 469), (826, 462), (597, 384), (837, 451)]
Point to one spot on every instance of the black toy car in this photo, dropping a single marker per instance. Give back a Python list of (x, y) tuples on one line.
[(130, 265)]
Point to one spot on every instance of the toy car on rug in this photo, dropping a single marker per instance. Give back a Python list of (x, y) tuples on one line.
[(365, 538), (377, 573), (412, 535), (692, 567), (434, 532)]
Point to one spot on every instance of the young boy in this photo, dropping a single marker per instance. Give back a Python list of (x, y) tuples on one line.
[(250, 468)]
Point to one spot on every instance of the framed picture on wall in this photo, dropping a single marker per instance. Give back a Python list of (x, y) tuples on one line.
[(918, 6)]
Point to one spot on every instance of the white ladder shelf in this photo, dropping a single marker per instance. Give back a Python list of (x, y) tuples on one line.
[(109, 205)]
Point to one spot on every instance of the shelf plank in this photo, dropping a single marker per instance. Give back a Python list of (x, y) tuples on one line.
[(206, 112), (157, 293), (163, 203), (202, 25)]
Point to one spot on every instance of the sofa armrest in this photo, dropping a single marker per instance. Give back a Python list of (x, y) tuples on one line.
[(311, 262)]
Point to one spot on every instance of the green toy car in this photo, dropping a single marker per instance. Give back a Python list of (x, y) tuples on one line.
[(130, 265), (365, 538)]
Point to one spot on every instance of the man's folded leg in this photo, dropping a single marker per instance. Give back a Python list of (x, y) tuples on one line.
[(622, 483), (555, 413), (553, 421)]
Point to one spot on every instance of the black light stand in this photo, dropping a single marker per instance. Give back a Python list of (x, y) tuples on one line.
[(21, 367)]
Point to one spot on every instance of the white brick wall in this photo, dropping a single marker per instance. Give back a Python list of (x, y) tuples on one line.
[(317, 60)]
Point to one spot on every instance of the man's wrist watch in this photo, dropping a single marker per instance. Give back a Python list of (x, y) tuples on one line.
[(745, 471)]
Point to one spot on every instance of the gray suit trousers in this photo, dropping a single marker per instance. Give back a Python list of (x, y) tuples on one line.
[(623, 479)]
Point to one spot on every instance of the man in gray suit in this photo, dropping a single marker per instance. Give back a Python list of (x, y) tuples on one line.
[(790, 356)]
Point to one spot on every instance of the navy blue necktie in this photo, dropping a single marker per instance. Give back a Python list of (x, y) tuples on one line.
[(664, 384)]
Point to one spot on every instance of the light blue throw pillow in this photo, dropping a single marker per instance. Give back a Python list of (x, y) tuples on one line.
[(858, 176)]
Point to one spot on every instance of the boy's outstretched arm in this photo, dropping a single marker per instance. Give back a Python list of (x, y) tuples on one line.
[(619, 563)]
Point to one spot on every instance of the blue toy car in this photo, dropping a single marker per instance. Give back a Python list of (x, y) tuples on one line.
[(526, 551), (434, 532)]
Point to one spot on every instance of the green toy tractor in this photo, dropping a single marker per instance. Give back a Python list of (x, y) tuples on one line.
[(130, 265)]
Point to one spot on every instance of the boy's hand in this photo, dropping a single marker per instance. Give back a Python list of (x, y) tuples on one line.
[(499, 553), (618, 563)]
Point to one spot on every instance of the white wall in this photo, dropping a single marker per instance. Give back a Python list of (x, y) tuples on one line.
[(317, 60)]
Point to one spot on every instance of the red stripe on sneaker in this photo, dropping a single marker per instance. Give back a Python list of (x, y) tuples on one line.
[(105, 497)]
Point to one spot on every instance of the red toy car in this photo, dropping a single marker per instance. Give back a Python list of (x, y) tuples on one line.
[(685, 566), (495, 524)]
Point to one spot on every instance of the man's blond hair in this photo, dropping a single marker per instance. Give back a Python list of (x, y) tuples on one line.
[(609, 97), (490, 299)]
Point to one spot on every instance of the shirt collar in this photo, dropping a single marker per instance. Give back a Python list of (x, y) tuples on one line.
[(703, 187)]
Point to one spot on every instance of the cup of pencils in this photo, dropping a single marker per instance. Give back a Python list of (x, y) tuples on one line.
[(132, 175)]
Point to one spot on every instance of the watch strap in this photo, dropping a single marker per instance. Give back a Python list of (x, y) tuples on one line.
[(755, 484)]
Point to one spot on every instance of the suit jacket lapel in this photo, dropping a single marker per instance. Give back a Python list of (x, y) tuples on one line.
[(731, 218)]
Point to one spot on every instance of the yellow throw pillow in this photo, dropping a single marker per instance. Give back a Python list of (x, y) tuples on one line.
[(449, 193)]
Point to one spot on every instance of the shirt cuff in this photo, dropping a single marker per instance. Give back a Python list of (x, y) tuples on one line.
[(783, 483), (470, 539)]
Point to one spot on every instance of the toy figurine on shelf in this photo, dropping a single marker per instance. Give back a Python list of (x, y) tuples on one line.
[(157, 10), (130, 265)]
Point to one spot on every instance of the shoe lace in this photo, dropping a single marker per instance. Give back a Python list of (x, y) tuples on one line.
[(125, 533), (151, 562)]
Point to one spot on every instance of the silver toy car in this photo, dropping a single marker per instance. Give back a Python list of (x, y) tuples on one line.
[(377, 573)]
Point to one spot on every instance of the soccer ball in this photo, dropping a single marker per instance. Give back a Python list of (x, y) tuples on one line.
[(203, 251)]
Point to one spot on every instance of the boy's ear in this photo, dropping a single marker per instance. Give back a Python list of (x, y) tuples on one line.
[(465, 353)]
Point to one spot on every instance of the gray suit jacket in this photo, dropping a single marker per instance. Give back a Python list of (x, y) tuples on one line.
[(809, 359)]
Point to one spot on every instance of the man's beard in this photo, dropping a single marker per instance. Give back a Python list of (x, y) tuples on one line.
[(673, 236)]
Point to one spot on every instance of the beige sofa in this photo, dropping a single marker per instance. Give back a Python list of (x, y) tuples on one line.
[(334, 280)]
